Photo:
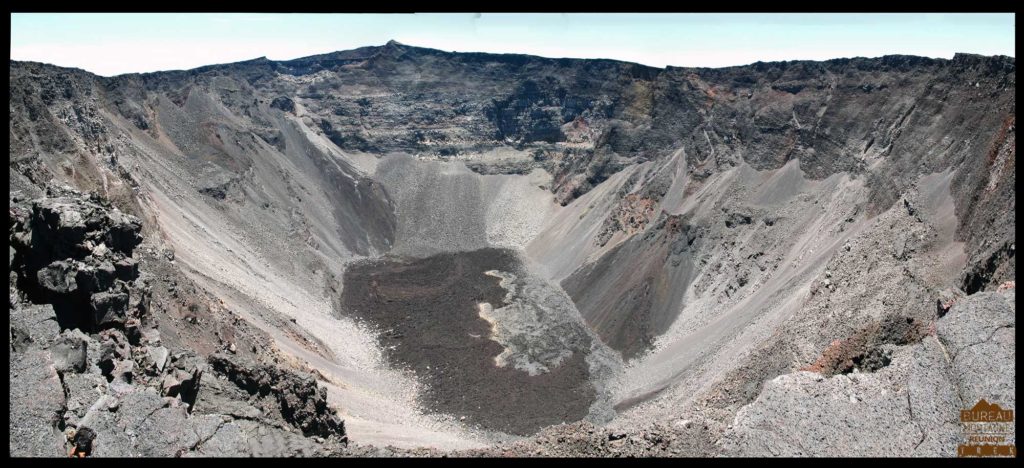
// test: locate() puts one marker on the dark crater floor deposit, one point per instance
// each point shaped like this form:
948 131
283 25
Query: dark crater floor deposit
427 311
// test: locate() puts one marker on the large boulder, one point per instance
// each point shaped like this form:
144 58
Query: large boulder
59 277
109 308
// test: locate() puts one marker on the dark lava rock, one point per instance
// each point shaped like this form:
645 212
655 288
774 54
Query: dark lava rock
109 308
736 219
73 250
301 402
127 269
83 442
182 378
58 278
428 313
82 381
284 104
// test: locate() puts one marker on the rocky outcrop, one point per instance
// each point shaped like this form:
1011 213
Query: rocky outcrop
89 373
296 397
908 405
75 252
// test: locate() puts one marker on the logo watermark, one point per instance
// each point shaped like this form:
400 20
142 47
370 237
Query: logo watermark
988 431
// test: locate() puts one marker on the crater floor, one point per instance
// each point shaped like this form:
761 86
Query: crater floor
428 313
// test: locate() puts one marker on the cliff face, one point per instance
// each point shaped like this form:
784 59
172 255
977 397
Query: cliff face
686 212
888 119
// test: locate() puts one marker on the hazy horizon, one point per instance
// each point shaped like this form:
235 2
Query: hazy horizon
117 43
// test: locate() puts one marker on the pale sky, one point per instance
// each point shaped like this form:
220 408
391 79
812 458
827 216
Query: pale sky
115 43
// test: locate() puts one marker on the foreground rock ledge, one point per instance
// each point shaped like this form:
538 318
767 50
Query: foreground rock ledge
908 408
90 376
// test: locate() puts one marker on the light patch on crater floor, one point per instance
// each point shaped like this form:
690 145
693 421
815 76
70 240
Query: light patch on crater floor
486 312
536 328
540 328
